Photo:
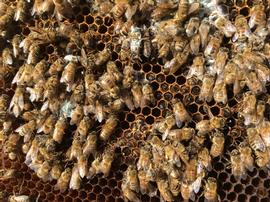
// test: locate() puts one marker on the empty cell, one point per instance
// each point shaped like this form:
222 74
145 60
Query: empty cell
263 174
102 29
156 112
50 197
223 176
97 189
79 18
227 186
242 198
255 182
160 78
164 86
114 56
83 27
106 191
98 20
149 120
100 46
92 196
155 85
108 21
94 181
146 111
170 79
253 199
115 192
181 80
85 10
192 108
136 66
130 117
156 69
83 194
168 96
73 193
231 196
238 188
112 183
49 49
89 19
100 198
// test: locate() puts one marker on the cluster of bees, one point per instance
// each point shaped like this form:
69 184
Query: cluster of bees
64 111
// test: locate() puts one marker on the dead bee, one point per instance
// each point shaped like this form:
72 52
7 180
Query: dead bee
68 75
254 139
75 180
63 181
103 57
108 128
246 156
210 190
180 113
59 130
7 56
90 145
217 144
257 16
237 166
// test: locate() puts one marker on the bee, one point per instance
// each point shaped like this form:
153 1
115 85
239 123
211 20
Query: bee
225 26
63 181
62 9
106 163
204 32
84 126
75 180
33 55
217 146
21 198
253 82
183 9
56 67
204 159
21 11
128 78
183 134
242 29
119 9
59 130
192 26
16 40
181 152
7 56
257 16
263 73
220 92
27 130
135 37
145 186
190 173
237 166
175 185
113 70
76 115
187 191
90 145
6 174
7 18
148 95
217 122
264 130
164 189
102 57
82 166
157 144
213 45
171 155
48 125
180 113
262 158
56 171
147 45
51 87
210 189
254 139
131 176
220 61
108 128
178 60
197 67
39 71
128 193
203 126
76 148
246 156
206 92
195 43
145 159
44 171
249 103
68 75
162 10
99 111
17 102
137 93
37 92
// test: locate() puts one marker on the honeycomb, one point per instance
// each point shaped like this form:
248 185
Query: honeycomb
256 187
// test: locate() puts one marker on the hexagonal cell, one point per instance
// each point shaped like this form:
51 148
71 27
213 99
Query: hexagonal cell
149 120
170 79
136 66
83 27
79 18
156 69
168 96
146 68
150 76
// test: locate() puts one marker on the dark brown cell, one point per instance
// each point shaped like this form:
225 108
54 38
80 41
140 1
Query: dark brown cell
89 19
160 78
156 69
102 29
108 21
136 66
85 10
156 112
98 20
49 49
83 27
79 18
170 79
181 80
150 76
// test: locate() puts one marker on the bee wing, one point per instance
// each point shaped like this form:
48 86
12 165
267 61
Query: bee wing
45 106
165 134
178 121
196 185
33 95
75 179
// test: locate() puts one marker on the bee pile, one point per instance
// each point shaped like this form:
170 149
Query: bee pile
135 100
